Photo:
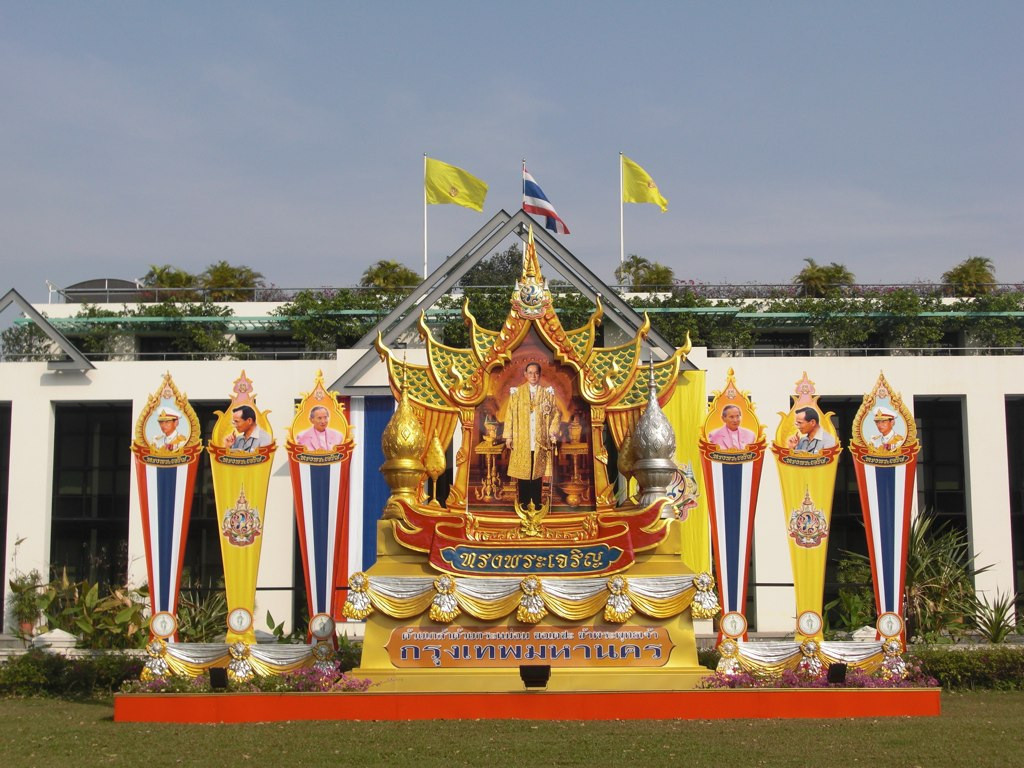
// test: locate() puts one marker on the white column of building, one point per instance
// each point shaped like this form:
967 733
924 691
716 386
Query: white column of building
137 571
988 491
30 489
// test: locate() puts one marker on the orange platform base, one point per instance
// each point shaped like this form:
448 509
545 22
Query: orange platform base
528 705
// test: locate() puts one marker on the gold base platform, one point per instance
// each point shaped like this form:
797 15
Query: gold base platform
454 657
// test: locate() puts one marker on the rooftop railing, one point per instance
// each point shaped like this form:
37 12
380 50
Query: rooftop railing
120 295
712 352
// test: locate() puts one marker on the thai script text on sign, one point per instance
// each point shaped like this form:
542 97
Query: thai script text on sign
460 647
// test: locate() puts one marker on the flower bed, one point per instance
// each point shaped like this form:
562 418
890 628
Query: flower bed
855 678
307 680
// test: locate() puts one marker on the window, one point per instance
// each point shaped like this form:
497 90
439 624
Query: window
941 477
5 476
846 527
91 486
1015 462
273 345
202 565
790 343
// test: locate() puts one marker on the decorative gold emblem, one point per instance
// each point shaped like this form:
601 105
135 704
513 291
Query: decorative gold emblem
241 524
807 525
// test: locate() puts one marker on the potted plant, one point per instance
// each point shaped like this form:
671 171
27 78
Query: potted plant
24 601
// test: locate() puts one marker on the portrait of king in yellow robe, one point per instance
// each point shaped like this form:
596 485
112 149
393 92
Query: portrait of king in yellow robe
531 427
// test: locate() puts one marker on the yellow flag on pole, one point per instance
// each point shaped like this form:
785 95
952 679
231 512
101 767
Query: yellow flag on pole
639 187
447 184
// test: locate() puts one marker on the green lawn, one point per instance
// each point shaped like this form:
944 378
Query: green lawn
976 730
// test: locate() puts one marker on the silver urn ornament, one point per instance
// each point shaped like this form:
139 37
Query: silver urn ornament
654 449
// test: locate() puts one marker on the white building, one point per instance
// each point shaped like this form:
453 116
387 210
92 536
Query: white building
68 493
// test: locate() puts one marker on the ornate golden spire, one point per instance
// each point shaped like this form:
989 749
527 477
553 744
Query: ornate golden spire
531 267
531 297
403 444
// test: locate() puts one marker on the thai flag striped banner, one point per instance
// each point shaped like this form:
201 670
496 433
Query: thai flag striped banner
887 494
321 508
166 494
884 446
167 448
732 502
320 450
537 203
732 447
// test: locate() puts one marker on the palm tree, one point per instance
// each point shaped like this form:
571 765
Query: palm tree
640 273
389 275
819 280
971 277
224 282
175 283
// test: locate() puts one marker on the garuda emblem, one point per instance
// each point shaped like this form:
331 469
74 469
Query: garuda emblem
807 525
241 524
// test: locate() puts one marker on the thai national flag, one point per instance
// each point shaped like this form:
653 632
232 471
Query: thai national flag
535 202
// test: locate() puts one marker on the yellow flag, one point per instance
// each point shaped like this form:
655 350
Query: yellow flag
447 184
639 187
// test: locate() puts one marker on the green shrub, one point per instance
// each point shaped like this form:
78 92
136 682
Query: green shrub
37 673
113 618
202 613
999 667
350 653
708 657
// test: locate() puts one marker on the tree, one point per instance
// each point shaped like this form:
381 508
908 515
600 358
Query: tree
177 282
327 320
498 271
971 277
819 280
223 282
389 275
642 274
25 342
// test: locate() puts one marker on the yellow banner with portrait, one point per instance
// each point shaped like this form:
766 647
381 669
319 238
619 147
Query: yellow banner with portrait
241 452
807 452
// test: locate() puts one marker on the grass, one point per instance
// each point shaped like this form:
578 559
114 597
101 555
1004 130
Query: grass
976 729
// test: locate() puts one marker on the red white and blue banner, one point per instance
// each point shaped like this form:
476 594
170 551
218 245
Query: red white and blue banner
732 446
166 446
319 456
885 447
537 203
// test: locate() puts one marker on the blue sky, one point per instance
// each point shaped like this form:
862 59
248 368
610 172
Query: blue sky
289 136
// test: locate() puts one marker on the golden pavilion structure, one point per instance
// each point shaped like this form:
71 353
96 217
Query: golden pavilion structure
473 589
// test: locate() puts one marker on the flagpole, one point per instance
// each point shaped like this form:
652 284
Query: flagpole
622 237
424 215
522 202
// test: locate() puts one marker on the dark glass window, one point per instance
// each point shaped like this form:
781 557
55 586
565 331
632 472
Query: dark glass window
160 348
941 475
1015 462
91 486
793 343
272 345
203 566
5 476
846 528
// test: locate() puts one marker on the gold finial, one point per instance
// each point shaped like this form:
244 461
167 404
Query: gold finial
434 462
531 267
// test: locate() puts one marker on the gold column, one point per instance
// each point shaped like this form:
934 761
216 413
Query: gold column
460 488
605 492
